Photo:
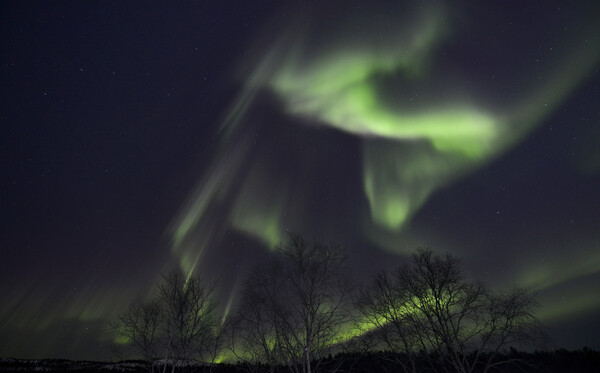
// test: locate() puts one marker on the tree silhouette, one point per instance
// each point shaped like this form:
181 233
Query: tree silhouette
177 323
428 306
188 315
293 308
140 326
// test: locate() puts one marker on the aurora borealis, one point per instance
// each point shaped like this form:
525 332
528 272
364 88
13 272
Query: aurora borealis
139 138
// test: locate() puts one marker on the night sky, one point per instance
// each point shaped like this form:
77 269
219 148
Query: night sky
138 137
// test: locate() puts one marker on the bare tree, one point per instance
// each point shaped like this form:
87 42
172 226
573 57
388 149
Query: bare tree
252 329
140 326
294 307
177 323
510 322
210 352
429 306
386 319
187 315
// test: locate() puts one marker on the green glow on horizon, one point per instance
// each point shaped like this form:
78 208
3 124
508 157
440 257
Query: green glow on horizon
543 275
568 307
388 315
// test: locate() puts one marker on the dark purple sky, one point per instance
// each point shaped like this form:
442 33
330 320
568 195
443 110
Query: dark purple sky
121 121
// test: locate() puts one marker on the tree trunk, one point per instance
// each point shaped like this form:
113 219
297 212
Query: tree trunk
307 357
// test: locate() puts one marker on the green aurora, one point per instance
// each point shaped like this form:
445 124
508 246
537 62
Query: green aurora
408 153
385 127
